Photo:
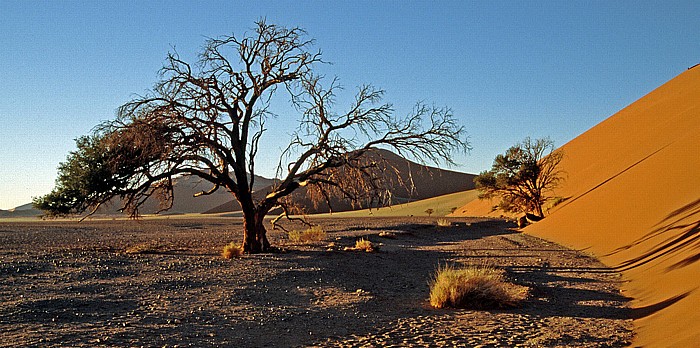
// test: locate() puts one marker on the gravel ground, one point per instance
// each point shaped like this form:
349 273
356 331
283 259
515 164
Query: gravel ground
162 283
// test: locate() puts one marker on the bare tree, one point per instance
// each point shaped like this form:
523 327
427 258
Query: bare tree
523 177
207 120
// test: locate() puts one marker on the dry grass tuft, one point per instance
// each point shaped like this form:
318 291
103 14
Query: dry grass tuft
311 234
364 245
385 234
474 288
444 223
232 250
145 248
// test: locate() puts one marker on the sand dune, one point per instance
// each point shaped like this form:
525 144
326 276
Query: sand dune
633 192
427 182
441 205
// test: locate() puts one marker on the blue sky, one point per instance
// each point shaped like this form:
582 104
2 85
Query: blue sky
507 69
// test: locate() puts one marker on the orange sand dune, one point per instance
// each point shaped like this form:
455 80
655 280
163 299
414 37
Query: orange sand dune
633 190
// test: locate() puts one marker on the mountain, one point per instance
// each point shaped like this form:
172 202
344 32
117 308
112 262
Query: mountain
25 210
633 199
185 188
184 202
427 182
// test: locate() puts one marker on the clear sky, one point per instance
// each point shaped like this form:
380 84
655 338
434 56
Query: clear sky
507 69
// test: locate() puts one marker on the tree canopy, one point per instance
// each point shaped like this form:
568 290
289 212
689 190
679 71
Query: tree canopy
206 119
523 178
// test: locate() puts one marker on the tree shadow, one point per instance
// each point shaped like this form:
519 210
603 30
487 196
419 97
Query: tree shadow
551 299
391 286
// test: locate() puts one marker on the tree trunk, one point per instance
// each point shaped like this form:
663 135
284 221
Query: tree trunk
254 232
538 210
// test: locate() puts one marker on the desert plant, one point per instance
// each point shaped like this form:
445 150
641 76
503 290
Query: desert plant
524 177
474 287
364 245
429 211
232 250
442 222
311 234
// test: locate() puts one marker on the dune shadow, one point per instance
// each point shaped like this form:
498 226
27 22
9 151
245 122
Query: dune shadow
641 312
680 232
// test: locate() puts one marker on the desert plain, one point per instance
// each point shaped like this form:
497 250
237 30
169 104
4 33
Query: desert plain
163 283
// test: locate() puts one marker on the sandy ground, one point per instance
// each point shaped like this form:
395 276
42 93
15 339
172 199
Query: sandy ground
69 284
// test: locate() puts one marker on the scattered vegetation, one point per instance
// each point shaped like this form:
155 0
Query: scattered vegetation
524 177
311 234
363 245
366 245
232 250
474 288
429 211
442 222
145 248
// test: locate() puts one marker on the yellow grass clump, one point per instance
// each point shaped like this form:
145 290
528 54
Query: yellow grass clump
442 222
365 244
311 234
232 250
474 288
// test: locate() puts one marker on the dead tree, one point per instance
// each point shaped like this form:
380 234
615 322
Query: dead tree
207 120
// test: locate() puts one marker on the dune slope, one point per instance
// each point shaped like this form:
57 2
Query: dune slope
440 205
633 192
420 182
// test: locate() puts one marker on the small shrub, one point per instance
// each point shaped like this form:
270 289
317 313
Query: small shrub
475 288
232 250
311 234
444 223
364 245
429 211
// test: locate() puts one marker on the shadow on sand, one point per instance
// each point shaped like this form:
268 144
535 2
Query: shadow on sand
680 233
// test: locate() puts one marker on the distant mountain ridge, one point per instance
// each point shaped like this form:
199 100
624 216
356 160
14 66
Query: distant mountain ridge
184 202
25 210
427 182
